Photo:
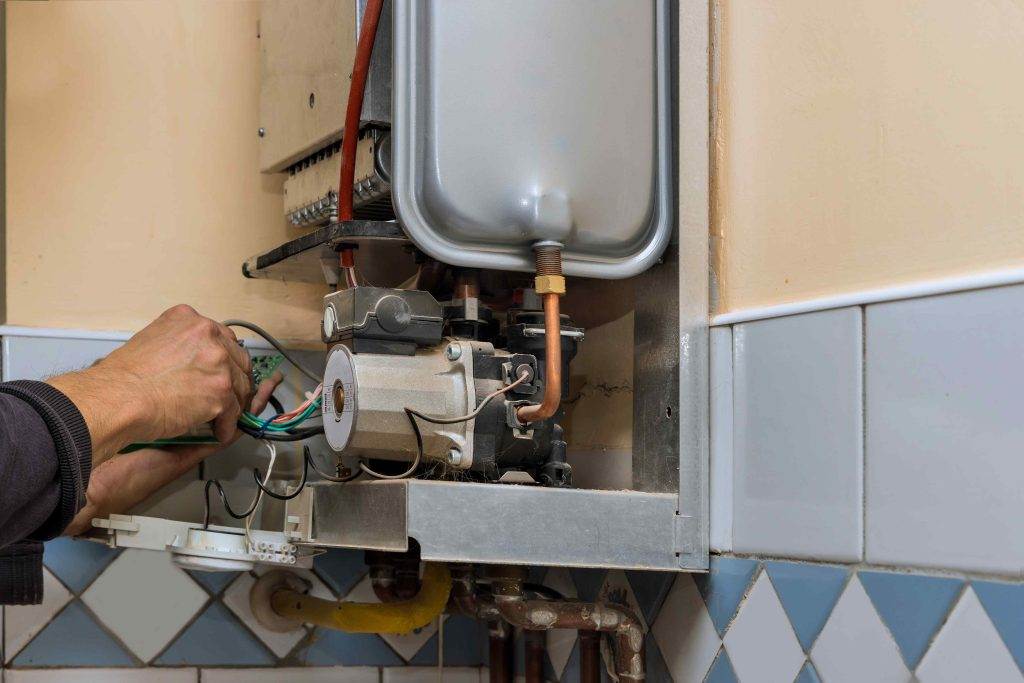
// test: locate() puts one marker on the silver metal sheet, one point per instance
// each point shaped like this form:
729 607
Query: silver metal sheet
534 120
502 524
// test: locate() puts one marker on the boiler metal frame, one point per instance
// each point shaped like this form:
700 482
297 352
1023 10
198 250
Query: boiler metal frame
660 525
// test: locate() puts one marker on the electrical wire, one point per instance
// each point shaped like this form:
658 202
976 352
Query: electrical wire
302 484
290 435
483 404
275 403
416 461
324 475
259 494
276 344
224 498
413 414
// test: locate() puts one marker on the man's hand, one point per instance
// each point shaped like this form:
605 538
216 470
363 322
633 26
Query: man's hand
124 481
182 371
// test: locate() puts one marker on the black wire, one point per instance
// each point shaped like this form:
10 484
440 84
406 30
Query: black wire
410 413
275 404
324 475
224 502
297 434
302 484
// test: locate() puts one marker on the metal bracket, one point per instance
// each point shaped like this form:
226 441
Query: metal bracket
684 532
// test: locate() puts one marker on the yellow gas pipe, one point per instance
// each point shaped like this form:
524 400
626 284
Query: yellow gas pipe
361 617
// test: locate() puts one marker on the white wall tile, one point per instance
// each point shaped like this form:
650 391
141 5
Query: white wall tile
945 426
149 675
318 674
145 600
968 648
797 437
41 357
761 643
721 439
855 646
422 674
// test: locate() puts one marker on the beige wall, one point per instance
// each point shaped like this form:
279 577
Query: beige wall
132 161
862 143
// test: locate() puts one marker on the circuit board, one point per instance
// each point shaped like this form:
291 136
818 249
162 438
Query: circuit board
264 366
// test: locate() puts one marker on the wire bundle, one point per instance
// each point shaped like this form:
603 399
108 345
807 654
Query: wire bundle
285 421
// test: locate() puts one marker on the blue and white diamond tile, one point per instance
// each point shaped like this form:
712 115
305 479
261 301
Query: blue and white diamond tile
144 600
855 646
685 633
808 593
968 648
1004 604
761 643
74 638
22 623
723 587
912 606
216 638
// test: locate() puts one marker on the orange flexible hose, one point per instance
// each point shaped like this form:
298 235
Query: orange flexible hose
356 89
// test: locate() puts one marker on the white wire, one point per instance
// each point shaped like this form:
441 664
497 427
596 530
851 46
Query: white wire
272 449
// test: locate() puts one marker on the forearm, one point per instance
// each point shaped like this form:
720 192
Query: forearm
113 412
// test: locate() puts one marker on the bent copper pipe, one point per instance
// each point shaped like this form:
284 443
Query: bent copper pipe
552 365
502 652
542 615
534 656
590 657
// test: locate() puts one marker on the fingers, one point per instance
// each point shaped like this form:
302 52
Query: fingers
238 354
225 425
263 392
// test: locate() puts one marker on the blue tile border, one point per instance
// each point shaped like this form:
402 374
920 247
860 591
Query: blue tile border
808 592
723 587
913 607
1004 604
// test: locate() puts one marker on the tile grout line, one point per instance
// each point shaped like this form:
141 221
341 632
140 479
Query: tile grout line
966 575
863 433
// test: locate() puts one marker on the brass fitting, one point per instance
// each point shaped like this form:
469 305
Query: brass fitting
550 284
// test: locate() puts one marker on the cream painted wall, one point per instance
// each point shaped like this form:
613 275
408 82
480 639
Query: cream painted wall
863 143
132 159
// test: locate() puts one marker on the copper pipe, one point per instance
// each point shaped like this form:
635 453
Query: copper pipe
534 657
590 657
552 365
382 578
502 651
467 284
541 615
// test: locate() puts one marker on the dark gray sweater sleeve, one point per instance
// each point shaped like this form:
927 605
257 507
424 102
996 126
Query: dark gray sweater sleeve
45 461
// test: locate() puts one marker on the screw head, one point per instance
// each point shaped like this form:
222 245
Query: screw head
261 132
454 457
453 352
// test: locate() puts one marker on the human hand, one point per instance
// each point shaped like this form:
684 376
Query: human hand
124 481
181 371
